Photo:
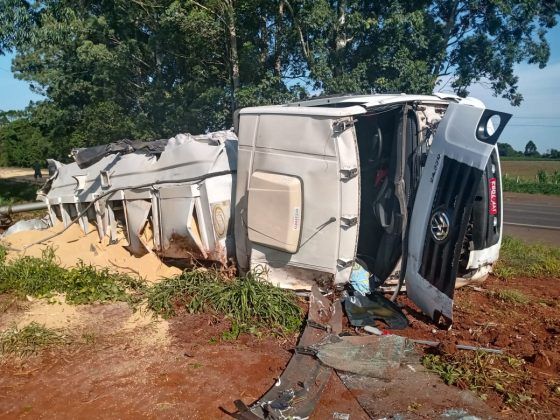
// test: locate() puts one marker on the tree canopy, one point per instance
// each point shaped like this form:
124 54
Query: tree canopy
151 68
531 149
507 150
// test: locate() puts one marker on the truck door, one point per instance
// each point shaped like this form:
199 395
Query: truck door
297 198
457 158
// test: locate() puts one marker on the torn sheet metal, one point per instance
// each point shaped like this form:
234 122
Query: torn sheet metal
27 225
163 183
299 388
377 357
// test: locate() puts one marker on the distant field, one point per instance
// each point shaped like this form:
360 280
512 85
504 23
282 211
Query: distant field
527 169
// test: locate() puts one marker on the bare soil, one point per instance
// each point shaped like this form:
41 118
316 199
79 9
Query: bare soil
128 365
530 331
125 374
23 175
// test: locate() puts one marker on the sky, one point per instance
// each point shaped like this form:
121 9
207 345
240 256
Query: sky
537 119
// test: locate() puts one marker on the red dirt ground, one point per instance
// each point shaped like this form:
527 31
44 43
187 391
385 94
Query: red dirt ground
530 331
198 375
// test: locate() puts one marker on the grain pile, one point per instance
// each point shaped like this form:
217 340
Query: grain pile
73 246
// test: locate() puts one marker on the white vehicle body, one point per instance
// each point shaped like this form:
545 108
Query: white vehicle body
321 143
305 189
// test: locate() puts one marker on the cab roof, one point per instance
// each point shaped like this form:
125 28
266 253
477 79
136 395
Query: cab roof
369 101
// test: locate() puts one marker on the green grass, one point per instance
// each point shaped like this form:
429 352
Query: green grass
29 339
250 302
527 159
530 187
483 373
512 296
83 284
519 259
12 192
531 177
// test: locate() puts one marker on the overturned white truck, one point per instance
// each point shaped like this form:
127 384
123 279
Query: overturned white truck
306 189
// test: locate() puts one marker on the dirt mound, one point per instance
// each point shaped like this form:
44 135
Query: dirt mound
73 245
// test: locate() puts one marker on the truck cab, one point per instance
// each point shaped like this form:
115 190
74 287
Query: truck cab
397 182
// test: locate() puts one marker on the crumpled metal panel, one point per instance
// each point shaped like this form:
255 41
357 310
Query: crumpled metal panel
190 217
137 212
299 388
185 156
377 357
27 225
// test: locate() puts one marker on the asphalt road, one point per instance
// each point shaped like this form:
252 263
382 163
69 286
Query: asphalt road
534 218
532 211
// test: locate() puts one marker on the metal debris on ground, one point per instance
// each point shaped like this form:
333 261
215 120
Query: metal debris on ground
299 388
365 310
26 225
371 356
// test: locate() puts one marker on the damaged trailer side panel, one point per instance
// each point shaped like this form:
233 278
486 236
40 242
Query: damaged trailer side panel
174 200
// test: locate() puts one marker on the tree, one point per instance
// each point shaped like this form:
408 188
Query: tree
506 149
151 68
402 45
531 149
554 154
21 144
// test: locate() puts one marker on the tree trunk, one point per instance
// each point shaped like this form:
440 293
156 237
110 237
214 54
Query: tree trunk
341 39
233 53
303 43
263 41
278 41
450 23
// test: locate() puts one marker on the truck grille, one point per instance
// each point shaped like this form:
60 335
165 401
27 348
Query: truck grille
454 196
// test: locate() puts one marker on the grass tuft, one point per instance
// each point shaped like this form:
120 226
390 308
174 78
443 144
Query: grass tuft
29 339
482 373
512 296
520 259
83 284
250 302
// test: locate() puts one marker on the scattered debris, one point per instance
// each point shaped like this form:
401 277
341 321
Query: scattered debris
298 389
376 357
365 310
459 346
26 225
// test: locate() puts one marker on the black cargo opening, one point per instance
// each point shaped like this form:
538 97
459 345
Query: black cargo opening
388 145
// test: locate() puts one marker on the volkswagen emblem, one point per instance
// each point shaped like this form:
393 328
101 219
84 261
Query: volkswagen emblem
439 225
